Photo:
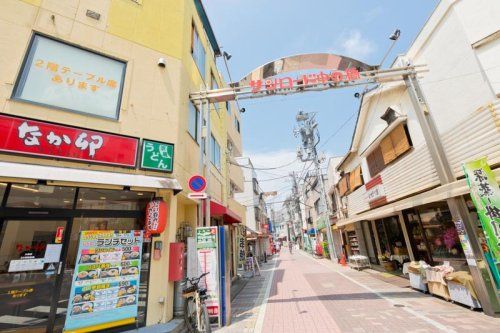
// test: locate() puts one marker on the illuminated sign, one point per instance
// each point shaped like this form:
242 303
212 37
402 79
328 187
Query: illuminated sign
284 83
68 77
26 136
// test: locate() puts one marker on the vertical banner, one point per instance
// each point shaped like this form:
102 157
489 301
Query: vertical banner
485 194
206 246
241 245
105 287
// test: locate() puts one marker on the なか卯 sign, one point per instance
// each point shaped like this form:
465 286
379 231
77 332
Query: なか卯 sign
33 137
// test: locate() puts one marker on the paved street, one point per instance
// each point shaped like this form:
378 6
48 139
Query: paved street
314 295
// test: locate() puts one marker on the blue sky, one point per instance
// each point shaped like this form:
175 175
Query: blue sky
258 31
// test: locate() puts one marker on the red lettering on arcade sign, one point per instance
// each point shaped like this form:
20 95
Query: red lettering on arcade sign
269 85
26 136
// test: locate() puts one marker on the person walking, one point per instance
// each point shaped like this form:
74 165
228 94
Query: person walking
290 246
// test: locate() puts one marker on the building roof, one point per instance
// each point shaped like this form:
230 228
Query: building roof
208 27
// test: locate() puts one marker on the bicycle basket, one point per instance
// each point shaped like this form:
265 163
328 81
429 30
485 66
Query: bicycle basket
189 290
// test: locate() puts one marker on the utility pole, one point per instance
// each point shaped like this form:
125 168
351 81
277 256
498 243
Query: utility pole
296 201
308 130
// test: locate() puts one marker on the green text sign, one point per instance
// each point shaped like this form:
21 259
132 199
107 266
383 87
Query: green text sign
157 156
486 197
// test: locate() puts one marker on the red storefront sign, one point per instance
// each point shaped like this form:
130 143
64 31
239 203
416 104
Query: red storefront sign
284 83
32 137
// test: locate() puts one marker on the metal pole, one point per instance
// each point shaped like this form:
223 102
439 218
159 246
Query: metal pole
199 136
478 266
208 140
331 246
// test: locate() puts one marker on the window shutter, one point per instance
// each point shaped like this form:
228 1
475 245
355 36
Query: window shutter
359 180
355 180
352 180
387 149
343 185
375 162
400 140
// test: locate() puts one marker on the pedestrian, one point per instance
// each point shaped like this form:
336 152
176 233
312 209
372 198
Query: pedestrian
290 246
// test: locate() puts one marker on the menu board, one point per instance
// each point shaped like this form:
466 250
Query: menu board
206 245
105 288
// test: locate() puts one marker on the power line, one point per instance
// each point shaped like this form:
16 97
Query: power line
248 166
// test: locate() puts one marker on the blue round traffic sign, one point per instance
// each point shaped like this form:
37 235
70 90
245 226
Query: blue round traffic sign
197 183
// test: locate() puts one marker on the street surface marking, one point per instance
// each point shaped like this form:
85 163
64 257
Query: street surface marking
262 311
407 309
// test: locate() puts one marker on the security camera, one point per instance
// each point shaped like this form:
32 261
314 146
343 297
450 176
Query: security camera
357 95
162 63
242 110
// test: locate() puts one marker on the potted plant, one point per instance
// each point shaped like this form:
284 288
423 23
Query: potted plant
386 263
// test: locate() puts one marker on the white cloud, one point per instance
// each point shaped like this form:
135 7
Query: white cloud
354 45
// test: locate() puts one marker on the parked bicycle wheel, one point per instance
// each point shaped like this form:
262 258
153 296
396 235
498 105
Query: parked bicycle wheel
190 314
205 320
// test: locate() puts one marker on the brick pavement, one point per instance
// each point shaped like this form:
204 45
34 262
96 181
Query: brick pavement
315 295
245 308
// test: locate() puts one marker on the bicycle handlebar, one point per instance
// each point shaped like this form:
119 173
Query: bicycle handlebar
195 280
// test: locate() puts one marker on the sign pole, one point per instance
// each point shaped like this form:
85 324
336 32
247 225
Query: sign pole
199 136
207 165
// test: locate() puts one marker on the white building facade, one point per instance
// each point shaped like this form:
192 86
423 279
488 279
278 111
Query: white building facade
393 201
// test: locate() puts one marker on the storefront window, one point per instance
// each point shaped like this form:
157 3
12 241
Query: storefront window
41 196
441 234
30 253
90 198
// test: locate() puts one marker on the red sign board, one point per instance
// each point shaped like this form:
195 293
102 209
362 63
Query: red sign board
26 136
59 235
321 78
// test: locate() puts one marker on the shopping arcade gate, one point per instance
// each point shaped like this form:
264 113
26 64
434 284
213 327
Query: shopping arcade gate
335 72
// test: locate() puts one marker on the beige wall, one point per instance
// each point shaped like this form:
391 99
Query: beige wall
154 103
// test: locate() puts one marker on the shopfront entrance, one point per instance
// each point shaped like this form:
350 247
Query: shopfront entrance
39 232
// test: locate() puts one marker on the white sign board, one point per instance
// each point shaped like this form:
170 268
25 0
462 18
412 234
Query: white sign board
26 265
53 253
207 247
68 77
375 193
197 195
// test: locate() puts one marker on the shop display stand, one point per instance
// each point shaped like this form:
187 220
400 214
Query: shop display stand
359 262
353 242
417 282
460 294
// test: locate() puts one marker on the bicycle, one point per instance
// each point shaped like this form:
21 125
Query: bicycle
195 310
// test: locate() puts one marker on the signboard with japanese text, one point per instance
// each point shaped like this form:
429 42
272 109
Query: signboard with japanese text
26 136
485 194
157 156
207 247
105 286
60 75
240 243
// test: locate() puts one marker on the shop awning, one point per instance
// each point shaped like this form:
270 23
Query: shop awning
49 173
440 193
228 216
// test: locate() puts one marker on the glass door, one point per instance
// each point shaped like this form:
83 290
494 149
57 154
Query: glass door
30 262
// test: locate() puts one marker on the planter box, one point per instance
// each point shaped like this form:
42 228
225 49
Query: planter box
439 289
417 282
460 294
